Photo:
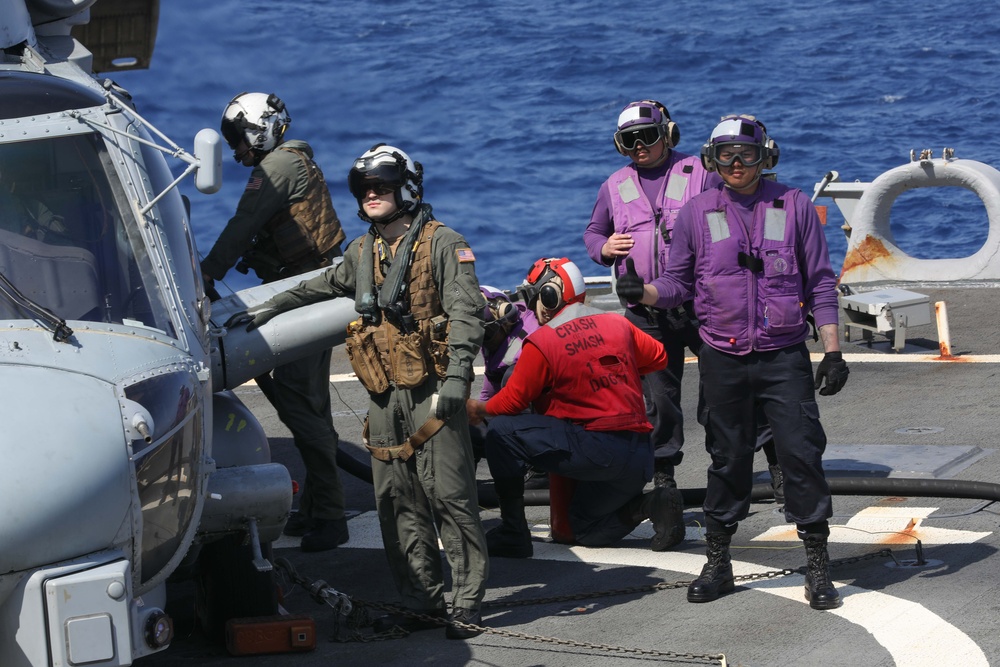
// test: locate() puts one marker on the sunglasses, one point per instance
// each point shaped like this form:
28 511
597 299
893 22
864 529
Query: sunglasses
749 155
647 136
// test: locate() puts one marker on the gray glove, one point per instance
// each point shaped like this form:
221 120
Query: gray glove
253 317
451 397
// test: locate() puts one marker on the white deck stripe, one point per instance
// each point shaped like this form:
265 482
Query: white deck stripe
816 357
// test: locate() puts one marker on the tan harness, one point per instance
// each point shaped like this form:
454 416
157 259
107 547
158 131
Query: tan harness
404 451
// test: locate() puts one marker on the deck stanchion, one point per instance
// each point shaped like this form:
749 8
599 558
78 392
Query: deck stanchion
944 336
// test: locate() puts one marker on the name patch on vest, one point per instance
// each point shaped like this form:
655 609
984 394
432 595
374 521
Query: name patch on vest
718 226
627 190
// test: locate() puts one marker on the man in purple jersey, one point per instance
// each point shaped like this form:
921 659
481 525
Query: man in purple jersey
634 218
752 254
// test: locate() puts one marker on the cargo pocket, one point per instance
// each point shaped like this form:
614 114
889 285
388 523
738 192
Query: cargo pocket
364 358
440 326
408 365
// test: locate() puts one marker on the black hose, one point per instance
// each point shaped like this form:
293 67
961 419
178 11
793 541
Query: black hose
352 466
839 486
345 461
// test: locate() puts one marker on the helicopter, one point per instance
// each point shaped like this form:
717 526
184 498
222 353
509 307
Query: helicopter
116 375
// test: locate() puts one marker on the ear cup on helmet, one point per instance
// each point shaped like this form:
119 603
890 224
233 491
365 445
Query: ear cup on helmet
706 157
772 153
551 296
618 146
672 134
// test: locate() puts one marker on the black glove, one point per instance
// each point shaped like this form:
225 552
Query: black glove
253 317
834 369
451 397
630 286
210 291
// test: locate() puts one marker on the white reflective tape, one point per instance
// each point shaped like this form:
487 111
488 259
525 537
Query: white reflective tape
774 224
628 191
718 226
676 187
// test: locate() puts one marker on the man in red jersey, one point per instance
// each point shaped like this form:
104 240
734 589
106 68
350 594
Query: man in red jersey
581 373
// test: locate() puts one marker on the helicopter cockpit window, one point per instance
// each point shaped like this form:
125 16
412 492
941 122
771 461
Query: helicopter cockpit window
68 238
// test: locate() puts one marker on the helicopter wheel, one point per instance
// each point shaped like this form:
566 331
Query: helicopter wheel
229 586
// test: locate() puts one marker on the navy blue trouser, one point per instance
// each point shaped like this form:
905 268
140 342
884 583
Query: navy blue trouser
611 467
662 389
780 384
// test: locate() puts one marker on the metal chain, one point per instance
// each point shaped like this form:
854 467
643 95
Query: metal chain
356 617
609 648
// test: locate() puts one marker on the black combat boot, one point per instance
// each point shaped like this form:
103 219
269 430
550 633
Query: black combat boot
512 538
663 474
325 534
819 589
717 574
664 507
464 615
777 483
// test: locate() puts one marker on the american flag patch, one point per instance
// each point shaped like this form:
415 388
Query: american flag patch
254 183
465 255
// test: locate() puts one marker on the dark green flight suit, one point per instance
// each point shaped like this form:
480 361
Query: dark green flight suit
437 485
301 393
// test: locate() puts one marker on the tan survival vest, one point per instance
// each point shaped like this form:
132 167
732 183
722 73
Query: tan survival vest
299 237
385 354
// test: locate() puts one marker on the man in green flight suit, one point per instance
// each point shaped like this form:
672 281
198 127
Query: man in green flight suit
284 225
415 286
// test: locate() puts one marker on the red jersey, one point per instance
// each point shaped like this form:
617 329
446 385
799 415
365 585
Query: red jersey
584 366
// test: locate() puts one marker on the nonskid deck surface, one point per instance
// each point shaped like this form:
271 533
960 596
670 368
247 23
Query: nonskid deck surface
901 416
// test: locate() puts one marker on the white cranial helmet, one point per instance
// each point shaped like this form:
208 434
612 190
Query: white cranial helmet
389 169
258 118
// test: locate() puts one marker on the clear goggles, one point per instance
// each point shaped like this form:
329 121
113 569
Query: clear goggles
647 135
749 155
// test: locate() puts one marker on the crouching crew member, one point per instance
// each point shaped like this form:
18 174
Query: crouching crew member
581 372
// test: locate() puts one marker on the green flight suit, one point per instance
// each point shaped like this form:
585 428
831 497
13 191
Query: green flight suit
300 389
437 485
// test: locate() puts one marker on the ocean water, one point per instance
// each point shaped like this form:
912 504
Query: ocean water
511 105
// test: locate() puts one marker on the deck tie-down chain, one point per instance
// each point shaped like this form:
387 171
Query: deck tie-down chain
356 616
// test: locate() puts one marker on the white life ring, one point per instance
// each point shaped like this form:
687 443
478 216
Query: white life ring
872 255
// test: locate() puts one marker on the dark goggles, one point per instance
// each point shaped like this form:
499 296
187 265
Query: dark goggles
646 135
233 130
749 155
383 179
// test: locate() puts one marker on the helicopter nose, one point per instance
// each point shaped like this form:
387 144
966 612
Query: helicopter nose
65 483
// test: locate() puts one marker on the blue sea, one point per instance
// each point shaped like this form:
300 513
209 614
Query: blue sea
510 105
